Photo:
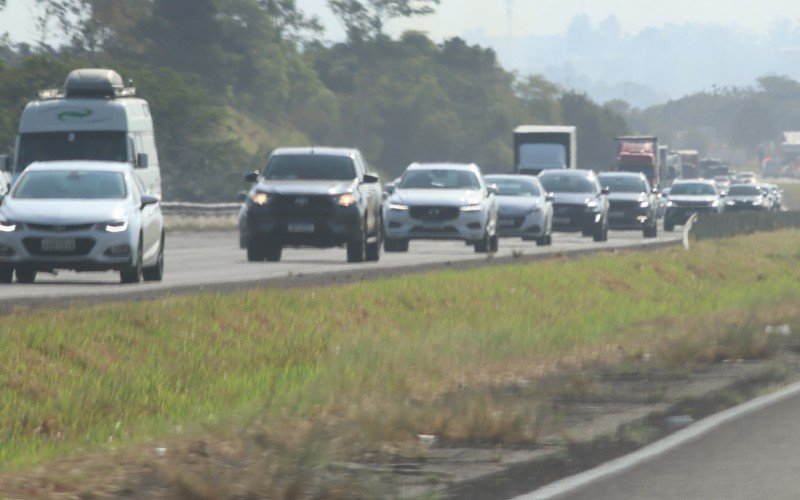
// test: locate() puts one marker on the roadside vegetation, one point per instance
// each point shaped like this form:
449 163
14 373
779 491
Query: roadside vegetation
370 366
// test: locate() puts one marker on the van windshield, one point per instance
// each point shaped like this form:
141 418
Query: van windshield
58 146
74 184
542 156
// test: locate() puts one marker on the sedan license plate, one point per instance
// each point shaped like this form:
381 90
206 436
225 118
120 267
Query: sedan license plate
58 245
301 227
561 220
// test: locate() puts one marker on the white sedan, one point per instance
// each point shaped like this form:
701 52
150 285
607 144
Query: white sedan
82 216
526 211
441 202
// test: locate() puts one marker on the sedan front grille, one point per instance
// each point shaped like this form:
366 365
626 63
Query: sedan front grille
432 213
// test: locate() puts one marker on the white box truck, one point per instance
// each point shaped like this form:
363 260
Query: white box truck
538 148
94 117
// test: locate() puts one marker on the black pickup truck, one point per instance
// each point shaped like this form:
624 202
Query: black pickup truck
313 197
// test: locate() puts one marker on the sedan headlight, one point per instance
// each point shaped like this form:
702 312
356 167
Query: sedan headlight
347 200
471 208
591 204
644 204
259 198
730 203
117 226
715 203
670 204
396 207
7 226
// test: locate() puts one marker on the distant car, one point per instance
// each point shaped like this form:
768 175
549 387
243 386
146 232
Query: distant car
526 210
663 198
633 204
579 204
441 201
313 197
746 197
777 196
723 183
82 216
690 196
746 178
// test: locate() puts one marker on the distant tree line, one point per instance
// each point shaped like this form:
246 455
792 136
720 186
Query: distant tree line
230 80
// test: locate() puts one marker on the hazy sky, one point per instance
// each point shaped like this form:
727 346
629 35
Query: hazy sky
458 17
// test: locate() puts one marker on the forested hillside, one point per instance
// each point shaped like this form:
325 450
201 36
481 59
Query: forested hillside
230 80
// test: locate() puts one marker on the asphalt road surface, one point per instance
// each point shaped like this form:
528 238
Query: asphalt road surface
755 456
209 260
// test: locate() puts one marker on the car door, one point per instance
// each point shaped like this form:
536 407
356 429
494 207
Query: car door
151 221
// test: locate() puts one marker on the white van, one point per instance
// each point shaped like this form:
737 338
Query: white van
95 117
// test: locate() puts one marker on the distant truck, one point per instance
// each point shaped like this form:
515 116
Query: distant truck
640 154
710 168
689 161
538 148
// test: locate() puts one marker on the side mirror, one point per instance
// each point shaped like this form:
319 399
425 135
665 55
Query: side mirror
2 198
656 191
142 160
549 197
493 189
251 177
389 188
241 196
605 191
149 199
370 179
5 163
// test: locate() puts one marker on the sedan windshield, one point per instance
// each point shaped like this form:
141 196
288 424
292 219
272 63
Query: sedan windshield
71 184
310 167
624 184
697 189
559 183
744 191
514 187
439 179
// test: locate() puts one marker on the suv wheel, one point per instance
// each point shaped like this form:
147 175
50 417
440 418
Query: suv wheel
357 248
669 226
156 272
601 233
255 250
273 251
374 248
484 244
6 274
26 275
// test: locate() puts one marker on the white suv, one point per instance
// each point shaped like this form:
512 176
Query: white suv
441 202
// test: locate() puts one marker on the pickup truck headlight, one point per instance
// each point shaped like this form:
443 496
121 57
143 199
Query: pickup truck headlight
347 200
259 198
471 208
117 226
396 207
6 226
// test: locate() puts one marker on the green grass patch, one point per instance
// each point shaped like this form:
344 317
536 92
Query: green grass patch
791 196
371 353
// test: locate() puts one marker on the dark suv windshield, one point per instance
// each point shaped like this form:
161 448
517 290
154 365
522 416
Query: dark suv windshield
559 183
623 184
693 190
439 179
71 184
514 187
56 146
310 167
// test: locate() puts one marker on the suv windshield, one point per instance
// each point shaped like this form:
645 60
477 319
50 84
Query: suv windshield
559 183
693 189
439 179
744 191
514 187
57 146
624 184
71 184
310 167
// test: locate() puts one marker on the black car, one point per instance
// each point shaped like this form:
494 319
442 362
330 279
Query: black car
633 204
579 202
746 197
313 197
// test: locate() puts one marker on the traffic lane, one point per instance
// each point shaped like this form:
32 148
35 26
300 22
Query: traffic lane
754 456
212 258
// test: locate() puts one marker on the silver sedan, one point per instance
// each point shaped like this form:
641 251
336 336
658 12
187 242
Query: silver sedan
82 216
526 211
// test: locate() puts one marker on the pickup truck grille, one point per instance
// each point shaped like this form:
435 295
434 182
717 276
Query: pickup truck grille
303 205
434 213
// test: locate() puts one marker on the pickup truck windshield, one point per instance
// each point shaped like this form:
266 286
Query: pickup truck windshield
310 167
56 146
439 179
74 184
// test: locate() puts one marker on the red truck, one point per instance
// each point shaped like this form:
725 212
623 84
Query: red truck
639 153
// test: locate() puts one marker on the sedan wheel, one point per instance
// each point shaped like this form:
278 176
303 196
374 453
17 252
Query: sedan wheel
156 273
133 273
26 275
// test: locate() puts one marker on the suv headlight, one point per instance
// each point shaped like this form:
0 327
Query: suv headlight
591 204
6 226
259 198
347 200
397 207
471 208
117 226
644 204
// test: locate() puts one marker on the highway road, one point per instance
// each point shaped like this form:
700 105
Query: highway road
213 260
755 456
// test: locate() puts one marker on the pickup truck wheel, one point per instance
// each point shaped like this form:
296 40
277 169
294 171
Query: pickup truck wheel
273 252
357 249
484 244
26 275
255 251
6 274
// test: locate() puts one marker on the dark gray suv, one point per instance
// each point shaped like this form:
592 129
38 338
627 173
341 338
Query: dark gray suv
579 204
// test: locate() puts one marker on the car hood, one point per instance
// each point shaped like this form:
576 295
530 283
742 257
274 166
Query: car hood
612 197
572 198
64 211
510 205
683 198
307 187
453 197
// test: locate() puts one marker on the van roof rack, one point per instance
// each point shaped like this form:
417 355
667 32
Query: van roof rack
91 83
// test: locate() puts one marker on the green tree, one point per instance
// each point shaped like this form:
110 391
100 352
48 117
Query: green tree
367 19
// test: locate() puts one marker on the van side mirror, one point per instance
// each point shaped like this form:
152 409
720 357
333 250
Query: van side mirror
242 196
149 199
493 189
370 179
251 177
142 160
5 163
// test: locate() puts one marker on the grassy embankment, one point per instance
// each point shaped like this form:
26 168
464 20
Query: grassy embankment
386 360
791 196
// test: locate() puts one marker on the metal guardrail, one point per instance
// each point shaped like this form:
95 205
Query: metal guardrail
198 209
728 224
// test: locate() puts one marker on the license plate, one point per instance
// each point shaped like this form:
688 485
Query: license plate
616 213
507 222
432 226
58 245
561 220
301 227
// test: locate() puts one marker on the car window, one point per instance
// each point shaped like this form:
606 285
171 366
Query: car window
744 191
310 167
559 183
693 189
514 187
439 179
71 184
624 184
